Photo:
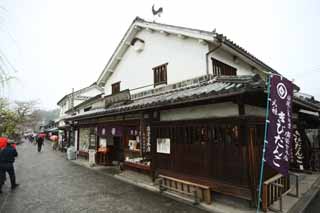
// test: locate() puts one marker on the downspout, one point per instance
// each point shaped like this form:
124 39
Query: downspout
208 53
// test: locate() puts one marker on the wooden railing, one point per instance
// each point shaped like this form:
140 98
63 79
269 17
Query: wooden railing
197 191
275 188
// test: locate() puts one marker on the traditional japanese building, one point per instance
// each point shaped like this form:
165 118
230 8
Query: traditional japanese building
66 105
184 104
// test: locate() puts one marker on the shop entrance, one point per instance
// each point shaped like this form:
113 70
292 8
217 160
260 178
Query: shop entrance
118 152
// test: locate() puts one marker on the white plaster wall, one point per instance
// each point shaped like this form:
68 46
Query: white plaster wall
76 102
200 112
63 108
185 58
227 58
91 92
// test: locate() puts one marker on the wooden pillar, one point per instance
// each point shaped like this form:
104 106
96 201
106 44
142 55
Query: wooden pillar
253 163
154 116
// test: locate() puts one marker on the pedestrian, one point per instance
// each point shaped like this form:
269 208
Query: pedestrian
39 141
54 139
7 157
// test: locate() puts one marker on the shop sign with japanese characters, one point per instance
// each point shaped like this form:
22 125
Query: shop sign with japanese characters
279 137
297 150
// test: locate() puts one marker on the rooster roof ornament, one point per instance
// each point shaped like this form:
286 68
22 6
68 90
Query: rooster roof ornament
157 12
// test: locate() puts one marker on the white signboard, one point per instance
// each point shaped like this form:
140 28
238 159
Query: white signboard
103 142
163 145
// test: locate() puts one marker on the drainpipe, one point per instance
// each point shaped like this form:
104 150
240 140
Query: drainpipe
208 53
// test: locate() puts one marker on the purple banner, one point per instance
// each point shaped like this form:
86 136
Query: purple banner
279 137
105 131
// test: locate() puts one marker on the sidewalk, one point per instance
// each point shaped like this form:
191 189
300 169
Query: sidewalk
309 185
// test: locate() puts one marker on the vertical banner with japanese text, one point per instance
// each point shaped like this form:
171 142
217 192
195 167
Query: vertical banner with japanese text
279 137
297 157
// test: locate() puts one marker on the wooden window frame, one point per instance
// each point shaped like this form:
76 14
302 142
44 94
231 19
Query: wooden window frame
160 74
220 68
115 88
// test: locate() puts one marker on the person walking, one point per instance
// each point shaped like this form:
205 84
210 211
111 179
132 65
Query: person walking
7 158
54 139
40 140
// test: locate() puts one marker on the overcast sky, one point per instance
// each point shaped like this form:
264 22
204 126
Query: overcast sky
57 45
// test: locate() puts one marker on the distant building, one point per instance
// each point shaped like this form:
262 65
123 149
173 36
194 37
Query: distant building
68 102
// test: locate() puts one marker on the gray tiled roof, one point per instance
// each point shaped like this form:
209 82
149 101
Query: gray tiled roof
220 86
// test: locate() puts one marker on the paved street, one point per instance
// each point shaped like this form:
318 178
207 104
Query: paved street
49 183
314 206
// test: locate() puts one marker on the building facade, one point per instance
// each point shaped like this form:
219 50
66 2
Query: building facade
181 103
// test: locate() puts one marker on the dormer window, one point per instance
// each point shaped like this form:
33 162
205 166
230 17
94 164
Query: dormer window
160 74
220 68
115 88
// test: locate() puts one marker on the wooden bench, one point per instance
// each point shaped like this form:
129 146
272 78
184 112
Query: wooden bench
197 191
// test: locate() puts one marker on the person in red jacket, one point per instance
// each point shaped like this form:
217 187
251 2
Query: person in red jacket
4 142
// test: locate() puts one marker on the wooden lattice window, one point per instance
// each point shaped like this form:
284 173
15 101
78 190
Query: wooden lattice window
220 68
115 88
160 74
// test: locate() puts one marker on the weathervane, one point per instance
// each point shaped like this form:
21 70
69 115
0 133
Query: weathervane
156 13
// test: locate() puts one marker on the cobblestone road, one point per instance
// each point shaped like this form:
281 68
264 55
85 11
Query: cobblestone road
49 183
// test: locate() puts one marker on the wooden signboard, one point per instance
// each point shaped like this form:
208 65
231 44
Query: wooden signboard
118 97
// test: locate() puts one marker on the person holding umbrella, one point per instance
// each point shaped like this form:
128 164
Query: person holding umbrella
54 139
40 139
4 142
7 157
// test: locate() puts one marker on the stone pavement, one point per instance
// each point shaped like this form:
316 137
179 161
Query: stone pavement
49 183
308 187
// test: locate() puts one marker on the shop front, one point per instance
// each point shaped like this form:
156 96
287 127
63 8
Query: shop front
123 140
87 140
110 144
123 144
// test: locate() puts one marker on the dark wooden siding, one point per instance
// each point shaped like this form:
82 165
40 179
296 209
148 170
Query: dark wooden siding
205 149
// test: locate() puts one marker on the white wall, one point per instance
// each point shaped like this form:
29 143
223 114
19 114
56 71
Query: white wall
65 106
227 58
185 58
200 112
91 92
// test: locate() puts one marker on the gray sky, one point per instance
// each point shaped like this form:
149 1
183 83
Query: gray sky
57 45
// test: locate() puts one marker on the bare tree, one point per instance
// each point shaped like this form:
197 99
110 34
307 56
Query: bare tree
7 69
27 115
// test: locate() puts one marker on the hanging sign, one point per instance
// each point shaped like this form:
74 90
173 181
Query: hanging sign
297 150
279 137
